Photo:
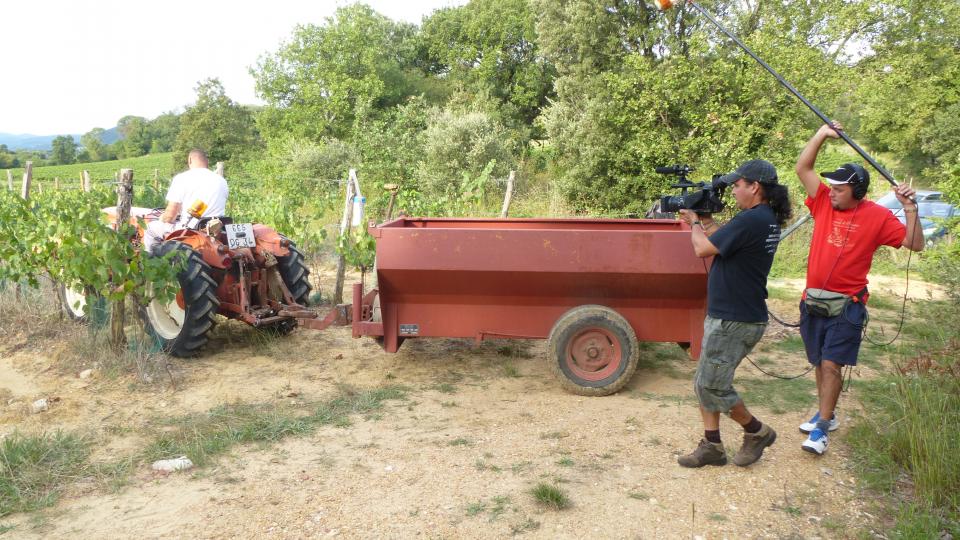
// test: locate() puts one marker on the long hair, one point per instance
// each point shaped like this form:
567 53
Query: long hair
778 197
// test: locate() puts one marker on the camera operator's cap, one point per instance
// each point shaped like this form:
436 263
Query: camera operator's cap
848 173
757 170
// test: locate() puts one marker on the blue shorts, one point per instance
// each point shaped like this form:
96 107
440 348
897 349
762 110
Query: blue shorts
833 338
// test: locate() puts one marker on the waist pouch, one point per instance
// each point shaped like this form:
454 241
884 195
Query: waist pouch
823 303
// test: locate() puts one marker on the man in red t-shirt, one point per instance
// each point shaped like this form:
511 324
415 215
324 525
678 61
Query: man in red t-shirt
848 229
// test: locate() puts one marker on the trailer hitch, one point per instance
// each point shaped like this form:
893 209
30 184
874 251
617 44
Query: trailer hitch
340 315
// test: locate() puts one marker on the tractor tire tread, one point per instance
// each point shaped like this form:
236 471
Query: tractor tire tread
199 294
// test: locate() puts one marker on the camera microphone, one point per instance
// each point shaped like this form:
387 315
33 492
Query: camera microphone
673 169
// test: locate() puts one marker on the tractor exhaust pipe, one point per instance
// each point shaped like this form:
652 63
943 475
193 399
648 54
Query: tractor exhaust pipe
664 5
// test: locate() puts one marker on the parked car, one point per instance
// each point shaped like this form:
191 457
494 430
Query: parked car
931 208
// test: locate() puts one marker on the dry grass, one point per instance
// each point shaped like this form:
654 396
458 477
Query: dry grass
33 320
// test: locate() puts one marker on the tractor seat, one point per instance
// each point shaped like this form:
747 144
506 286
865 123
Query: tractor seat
226 220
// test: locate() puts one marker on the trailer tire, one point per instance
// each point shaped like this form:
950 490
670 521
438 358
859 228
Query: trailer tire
181 327
593 350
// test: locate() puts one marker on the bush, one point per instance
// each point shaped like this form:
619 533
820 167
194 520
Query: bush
459 146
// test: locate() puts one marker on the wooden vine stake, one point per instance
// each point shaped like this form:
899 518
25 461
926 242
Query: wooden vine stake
124 200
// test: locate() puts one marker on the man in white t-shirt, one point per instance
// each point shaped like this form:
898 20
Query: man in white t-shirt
198 187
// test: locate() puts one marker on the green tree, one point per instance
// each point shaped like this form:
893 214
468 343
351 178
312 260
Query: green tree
134 136
64 150
216 124
909 92
7 158
458 144
638 88
92 141
329 77
490 48
163 132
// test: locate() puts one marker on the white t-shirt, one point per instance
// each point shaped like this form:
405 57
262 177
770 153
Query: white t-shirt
201 184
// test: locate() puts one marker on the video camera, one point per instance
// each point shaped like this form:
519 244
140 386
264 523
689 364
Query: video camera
702 198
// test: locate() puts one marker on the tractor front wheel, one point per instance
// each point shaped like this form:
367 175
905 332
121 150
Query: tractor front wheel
181 326
73 300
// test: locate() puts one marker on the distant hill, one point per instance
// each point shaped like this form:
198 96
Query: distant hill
110 136
26 141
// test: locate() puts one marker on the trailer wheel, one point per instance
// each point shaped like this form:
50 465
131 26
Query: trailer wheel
593 350
181 326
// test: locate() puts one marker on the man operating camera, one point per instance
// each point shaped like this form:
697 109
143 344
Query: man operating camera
742 252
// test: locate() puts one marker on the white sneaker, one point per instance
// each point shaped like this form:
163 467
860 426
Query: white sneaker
811 424
816 443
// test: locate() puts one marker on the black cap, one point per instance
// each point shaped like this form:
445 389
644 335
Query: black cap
848 173
757 170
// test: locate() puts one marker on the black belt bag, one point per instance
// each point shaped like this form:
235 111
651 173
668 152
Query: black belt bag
824 303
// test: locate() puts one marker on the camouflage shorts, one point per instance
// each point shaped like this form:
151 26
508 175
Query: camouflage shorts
725 343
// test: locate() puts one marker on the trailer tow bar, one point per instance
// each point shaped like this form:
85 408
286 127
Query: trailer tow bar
338 316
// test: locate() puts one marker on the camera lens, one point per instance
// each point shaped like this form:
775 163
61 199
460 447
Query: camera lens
671 203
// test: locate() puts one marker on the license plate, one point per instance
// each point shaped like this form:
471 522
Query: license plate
240 235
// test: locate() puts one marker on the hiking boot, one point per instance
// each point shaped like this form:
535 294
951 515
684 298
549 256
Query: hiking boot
811 424
753 445
707 453
816 443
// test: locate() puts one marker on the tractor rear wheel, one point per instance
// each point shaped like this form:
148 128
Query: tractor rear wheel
295 275
181 326
593 350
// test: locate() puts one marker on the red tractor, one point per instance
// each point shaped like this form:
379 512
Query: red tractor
243 271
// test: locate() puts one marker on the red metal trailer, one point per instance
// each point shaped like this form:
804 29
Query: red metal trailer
592 287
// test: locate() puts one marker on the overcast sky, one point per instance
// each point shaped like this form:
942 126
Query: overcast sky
72 65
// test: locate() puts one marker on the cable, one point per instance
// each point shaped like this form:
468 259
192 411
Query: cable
781 377
788 325
845 387
903 311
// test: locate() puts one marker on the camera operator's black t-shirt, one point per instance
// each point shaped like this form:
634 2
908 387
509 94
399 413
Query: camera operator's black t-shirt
737 285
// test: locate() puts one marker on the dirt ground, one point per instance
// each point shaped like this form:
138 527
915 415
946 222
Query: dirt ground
457 458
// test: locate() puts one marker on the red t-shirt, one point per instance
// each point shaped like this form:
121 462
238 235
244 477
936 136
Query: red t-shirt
858 231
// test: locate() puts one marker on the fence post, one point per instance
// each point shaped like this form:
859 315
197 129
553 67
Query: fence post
219 168
344 229
392 188
507 196
85 181
156 179
27 178
9 180
56 183
25 194
124 201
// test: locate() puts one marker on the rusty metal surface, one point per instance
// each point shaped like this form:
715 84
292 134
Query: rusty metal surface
593 354
338 316
514 277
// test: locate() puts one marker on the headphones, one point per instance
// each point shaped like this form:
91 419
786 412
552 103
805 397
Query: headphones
862 184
